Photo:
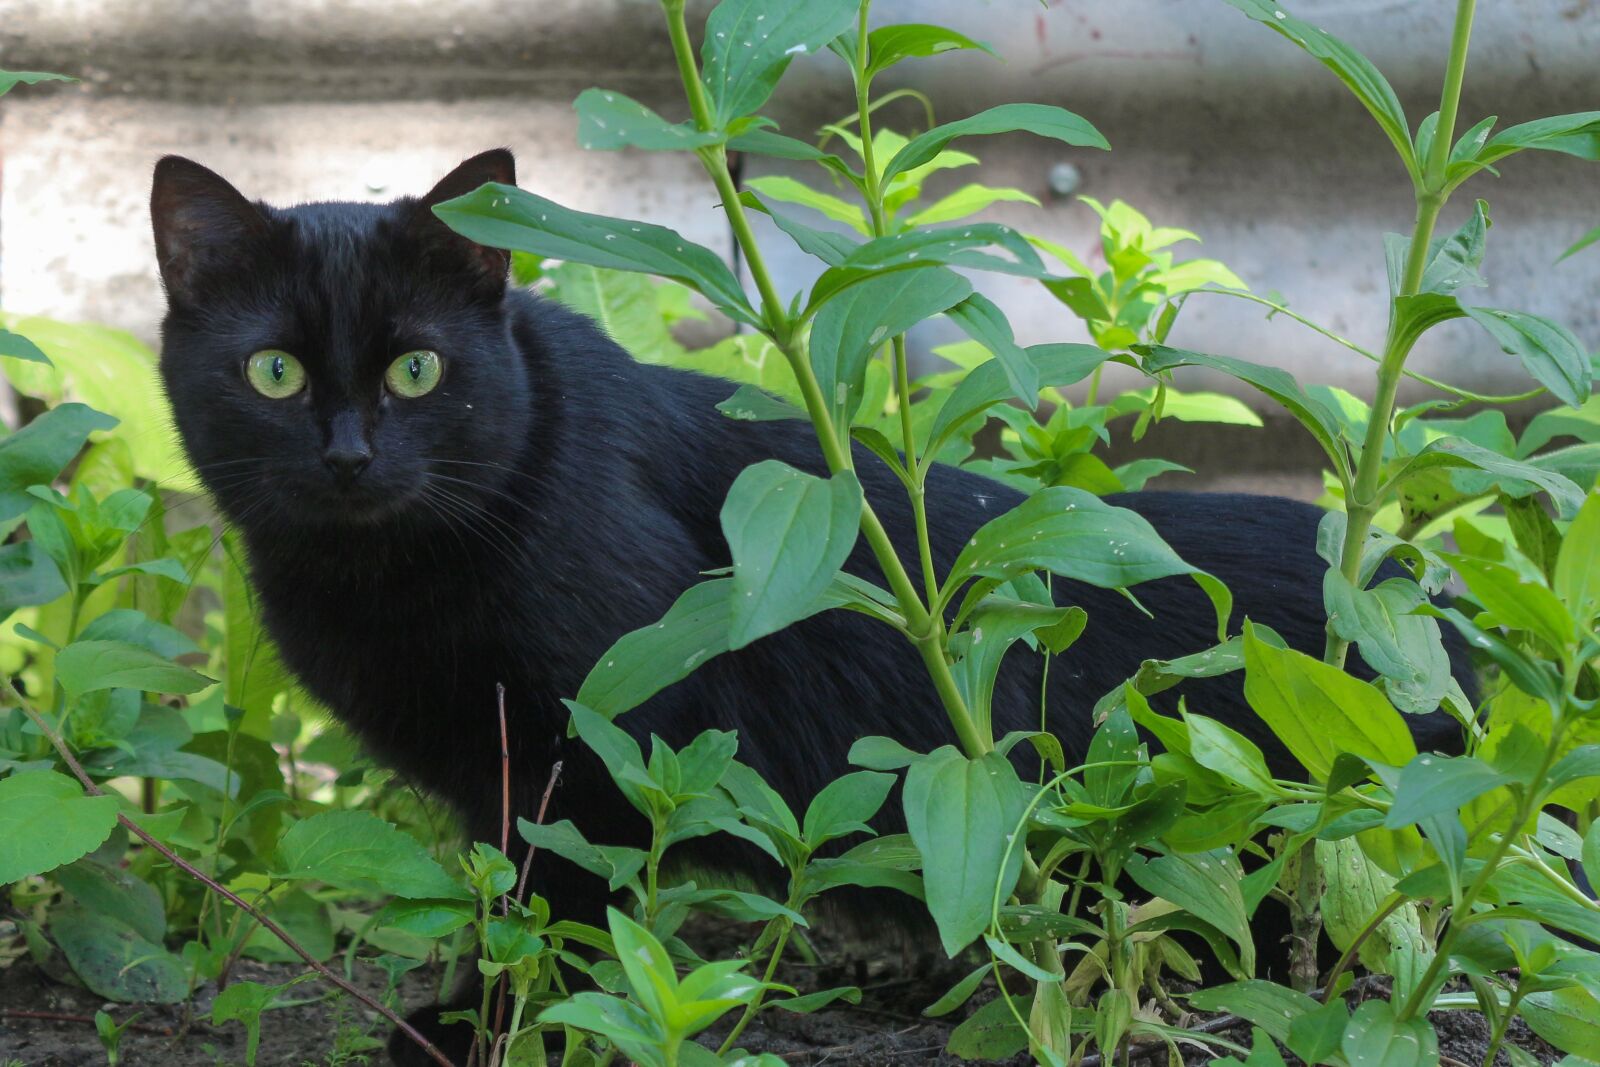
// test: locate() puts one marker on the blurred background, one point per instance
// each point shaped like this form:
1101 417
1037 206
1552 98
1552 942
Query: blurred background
1216 125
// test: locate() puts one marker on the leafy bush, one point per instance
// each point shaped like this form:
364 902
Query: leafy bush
171 804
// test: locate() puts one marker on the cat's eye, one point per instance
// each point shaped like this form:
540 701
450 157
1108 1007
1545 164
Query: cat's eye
414 374
275 374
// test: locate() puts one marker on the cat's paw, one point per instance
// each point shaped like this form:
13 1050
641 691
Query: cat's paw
454 1040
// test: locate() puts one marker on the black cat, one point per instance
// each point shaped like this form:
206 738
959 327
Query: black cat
444 484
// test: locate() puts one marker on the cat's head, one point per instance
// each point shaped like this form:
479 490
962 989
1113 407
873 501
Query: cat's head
337 363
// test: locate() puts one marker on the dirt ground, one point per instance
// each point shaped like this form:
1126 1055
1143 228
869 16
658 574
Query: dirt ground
885 1030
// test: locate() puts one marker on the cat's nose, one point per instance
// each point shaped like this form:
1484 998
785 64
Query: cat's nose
347 461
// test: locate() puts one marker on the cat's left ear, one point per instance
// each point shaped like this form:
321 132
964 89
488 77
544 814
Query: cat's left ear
203 226
489 264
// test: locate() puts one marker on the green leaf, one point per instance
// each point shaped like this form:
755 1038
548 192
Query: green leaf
749 404
1231 754
844 805
749 44
787 190
36 454
27 576
1075 534
46 821
17 346
1351 67
855 322
1206 885
1592 237
1275 383
1435 785
992 1032
1318 711
789 534
1549 351
1515 600
623 304
86 666
1577 134
137 628
881 754
9 79
1376 1037
1266 1004
1567 1018
1591 853
610 120
986 324
503 216
989 383
1404 648
115 961
649 659
118 893
961 814
358 850
888 45
244 1003
1508 475
1039 119
1577 573
967 200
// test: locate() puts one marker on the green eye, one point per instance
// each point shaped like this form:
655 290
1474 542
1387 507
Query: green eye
275 374
414 373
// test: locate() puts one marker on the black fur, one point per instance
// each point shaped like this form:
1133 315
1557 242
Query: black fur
552 494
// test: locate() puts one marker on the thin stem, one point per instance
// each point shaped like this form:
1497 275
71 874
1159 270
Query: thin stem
754 1006
322 969
1450 96
918 619
1502 1024
1395 902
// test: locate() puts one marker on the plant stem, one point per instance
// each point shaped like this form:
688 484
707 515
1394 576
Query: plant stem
754 1006
322 969
922 625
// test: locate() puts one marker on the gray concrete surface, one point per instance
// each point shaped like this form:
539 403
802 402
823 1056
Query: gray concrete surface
1217 125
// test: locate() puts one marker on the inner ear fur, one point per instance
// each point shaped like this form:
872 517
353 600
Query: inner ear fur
490 264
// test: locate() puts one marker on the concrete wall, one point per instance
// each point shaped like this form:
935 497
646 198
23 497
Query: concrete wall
1217 125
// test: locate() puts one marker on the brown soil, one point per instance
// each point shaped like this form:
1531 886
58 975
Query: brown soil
886 1030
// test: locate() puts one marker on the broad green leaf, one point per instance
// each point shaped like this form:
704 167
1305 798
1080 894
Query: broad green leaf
1549 351
35 454
1516 601
883 754
27 576
1567 1018
953 245
608 120
961 814
1584 424
46 821
1351 67
1318 711
1039 119
1354 892
1577 134
10 79
503 216
749 44
1433 785
992 1032
16 346
1376 1037
115 961
621 303
1266 1004
1452 261
852 325
1577 573
1275 383
967 200
749 404
1512 477
1405 649
844 806
789 534
1591 853
986 324
358 850
830 246
1222 749
1206 885
1075 534
1592 237
790 191
86 666
989 383
117 892
888 45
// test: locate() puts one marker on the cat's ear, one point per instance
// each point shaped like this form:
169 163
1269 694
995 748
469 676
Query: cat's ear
490 265
201 223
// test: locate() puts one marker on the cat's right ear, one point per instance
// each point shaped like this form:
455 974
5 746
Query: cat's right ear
201 223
